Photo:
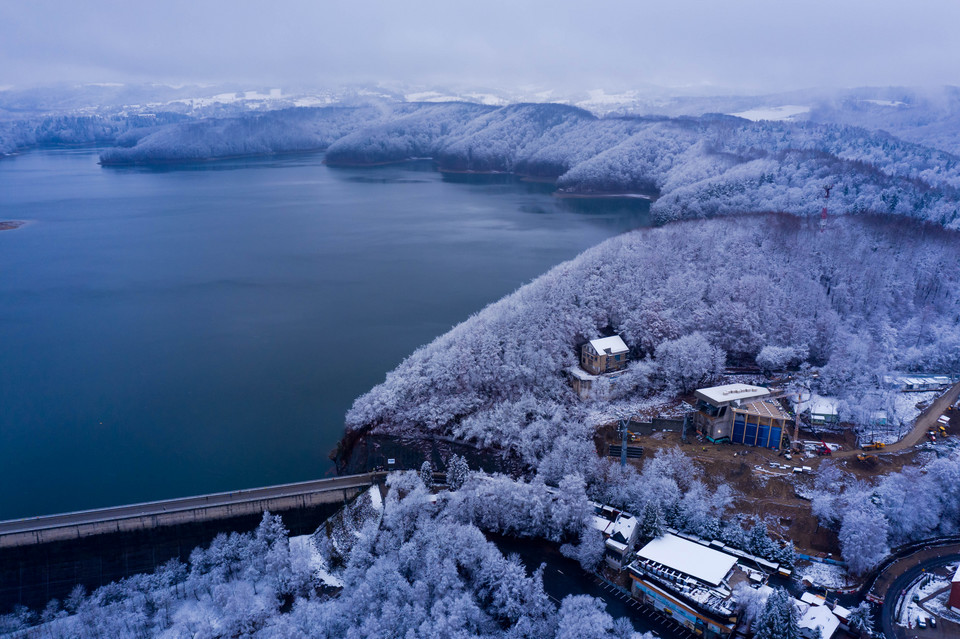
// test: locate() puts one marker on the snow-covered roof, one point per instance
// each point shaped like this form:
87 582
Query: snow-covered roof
916 380
616 545
956 575
703 563
720 394
609 345
819 617
581 374
812 599
820 405
625 525
600 523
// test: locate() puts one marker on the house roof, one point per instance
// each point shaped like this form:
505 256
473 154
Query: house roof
812 599
620 527
819 617
956 575
624 527
717 395
609 345
703 563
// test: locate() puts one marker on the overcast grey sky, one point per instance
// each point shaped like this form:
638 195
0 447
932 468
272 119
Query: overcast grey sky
750 44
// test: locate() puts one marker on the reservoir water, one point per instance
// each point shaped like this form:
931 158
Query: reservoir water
169 332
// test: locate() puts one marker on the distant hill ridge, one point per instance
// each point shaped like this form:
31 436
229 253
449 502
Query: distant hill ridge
694 166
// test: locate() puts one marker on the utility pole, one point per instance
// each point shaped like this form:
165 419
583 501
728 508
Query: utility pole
823 213
624 424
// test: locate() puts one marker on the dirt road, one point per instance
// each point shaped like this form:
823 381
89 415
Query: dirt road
925 421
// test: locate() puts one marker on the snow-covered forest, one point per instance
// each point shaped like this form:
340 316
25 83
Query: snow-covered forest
79 129
281 131
425 569
867 296
901 508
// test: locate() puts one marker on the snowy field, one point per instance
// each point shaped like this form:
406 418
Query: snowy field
824 575
785 112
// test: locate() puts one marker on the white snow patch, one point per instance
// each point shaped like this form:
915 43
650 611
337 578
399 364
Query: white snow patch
824 575
905 405
313 100
304 544
430 96
940 607
921 589
376 499
887 103
785 112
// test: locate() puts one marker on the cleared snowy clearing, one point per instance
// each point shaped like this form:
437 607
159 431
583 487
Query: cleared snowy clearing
777 113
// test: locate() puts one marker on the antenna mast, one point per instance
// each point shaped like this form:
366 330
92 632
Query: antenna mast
823 212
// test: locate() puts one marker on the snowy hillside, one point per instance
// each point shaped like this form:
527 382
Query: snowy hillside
687 297
696 167
273 132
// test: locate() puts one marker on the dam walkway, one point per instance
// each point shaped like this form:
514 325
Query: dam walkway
186 510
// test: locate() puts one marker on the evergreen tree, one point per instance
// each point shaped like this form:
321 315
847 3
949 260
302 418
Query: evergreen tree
426 474
711 528
759 542
861 619
786 554
674 515
653 525
779 618
457 472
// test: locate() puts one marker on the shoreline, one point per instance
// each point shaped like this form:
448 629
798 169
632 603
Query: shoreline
599 195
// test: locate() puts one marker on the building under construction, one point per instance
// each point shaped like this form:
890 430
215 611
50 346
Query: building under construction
740 414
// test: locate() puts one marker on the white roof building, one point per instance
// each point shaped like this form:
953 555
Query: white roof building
818 405
690 558
722 395
811 599
619 526
609 345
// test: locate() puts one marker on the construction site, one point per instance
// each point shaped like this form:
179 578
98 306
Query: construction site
752 440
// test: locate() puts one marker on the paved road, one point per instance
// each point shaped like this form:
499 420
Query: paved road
184 504
900 583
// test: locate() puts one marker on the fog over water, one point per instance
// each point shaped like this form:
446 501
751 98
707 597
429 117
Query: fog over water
752 45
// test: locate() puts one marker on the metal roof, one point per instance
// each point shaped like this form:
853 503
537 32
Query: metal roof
690 558
718 395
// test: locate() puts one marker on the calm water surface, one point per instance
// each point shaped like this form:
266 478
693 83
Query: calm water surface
182 331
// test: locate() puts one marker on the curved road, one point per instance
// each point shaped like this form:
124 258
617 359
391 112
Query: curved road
906 571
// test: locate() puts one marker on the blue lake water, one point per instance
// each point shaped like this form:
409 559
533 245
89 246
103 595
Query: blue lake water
169 332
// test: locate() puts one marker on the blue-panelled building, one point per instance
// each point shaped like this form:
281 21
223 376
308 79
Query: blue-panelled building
741 414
